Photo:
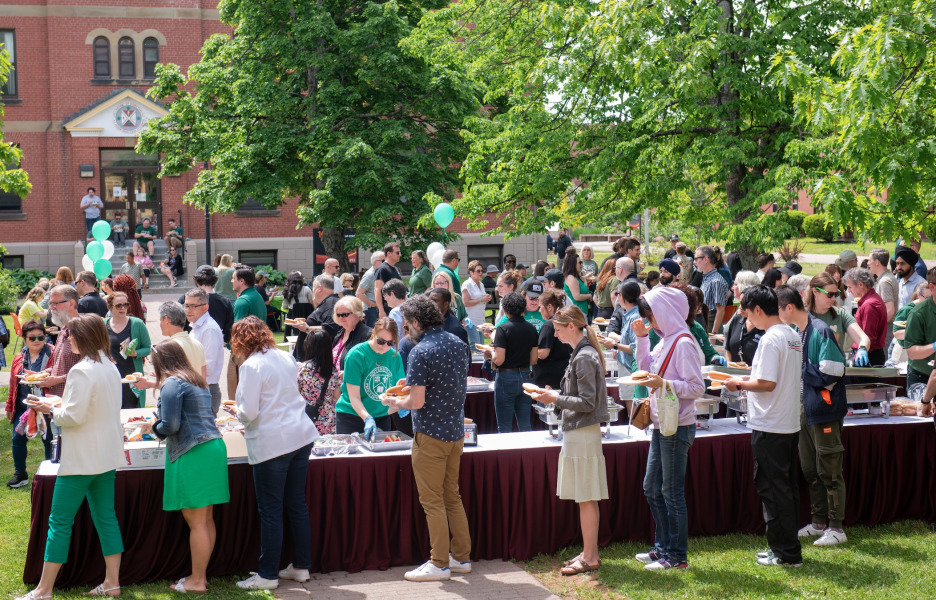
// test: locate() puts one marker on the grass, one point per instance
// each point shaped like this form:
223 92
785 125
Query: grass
889 561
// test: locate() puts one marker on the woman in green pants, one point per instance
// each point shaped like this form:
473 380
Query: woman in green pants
92 438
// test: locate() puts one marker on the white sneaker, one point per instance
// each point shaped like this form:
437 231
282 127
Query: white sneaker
291 572
811 531
831 537
255 582
459 567
428 572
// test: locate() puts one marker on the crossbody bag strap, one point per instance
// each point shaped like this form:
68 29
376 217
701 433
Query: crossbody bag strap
669 354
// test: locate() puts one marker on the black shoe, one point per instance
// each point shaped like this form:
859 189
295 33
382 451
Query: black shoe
19 480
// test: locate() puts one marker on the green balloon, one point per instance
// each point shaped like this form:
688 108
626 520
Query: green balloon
95 250
103 268
444 214
101 231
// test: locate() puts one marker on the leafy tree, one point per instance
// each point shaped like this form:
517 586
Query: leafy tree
872 121
318 100
613 106
12 178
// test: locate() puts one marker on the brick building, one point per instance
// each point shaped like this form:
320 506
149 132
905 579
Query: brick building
75 103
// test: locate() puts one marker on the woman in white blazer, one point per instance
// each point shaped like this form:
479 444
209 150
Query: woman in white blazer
92 448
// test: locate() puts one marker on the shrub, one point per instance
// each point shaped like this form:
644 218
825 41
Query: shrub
9 292
26 280
791 249
796 218
275 277
816 226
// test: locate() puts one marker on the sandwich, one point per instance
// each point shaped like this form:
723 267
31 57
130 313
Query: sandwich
34 377
640 376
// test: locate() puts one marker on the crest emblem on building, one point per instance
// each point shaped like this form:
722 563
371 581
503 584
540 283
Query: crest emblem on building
129 118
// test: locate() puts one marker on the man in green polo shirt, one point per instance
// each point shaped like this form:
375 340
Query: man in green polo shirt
450 260
249 301
920 336
144 236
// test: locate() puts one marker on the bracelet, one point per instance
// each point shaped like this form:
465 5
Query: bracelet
925 401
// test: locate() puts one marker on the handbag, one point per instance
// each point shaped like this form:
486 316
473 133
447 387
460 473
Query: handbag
640 417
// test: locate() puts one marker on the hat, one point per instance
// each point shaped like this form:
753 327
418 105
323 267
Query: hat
674 237
533 288
792 268
668 264
492 269
909 256
554 275
845 257
522 266
259 274
205 270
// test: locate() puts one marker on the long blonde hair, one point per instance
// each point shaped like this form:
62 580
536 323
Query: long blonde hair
574 315
227 261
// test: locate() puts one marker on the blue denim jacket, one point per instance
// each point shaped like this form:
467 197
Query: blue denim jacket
184 418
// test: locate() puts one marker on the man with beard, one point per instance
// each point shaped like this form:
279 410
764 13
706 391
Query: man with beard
669 271
907 277
63 307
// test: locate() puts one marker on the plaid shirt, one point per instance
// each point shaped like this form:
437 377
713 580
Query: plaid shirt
63 359
714 289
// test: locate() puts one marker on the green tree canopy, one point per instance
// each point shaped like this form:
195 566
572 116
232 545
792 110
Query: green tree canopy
318 100
12 178
872 121
613 106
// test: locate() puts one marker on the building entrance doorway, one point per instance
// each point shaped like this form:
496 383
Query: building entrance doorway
129 185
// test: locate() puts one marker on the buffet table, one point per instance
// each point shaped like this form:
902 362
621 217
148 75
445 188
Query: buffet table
365 509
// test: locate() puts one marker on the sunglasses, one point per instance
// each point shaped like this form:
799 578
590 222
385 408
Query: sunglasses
383 342
827 293
122 305
342 315
36 338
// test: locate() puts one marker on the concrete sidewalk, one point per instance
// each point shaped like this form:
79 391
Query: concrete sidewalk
489 579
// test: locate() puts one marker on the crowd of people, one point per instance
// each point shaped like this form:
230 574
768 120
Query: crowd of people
357 339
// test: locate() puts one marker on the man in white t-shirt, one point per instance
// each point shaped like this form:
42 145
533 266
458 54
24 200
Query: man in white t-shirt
774 419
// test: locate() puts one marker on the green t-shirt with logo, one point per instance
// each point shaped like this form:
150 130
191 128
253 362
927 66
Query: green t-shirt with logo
374 373
532 317
150 231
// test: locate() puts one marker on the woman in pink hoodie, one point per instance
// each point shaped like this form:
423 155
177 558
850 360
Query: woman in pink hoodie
677 359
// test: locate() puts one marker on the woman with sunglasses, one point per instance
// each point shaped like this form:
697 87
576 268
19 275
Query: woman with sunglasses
349 313
122 329
575 287
820 299
369 370
475 299
34 357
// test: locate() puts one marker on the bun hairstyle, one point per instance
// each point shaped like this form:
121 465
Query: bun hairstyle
573 314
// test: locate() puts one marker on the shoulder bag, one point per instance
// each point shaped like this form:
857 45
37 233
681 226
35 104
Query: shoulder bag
640 415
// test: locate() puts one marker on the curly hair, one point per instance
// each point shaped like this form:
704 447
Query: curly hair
423 311
126 284
514 305
249 336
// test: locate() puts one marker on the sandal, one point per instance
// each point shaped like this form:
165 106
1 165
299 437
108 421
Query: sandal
180 587
32 595
102 591
572 560
579 566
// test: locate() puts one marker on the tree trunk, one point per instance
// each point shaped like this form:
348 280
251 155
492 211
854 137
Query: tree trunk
334 243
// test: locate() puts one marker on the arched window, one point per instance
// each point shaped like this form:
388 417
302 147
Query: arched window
150 57
126 58
102 67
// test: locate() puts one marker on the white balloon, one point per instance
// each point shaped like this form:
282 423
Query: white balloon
108 249
87 263
436 259
433 248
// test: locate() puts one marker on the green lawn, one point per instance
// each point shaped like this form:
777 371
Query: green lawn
890 561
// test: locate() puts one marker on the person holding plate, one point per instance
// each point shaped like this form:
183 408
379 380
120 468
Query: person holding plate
583 398
122 330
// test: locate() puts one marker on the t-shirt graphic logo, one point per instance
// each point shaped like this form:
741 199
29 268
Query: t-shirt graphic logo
377 381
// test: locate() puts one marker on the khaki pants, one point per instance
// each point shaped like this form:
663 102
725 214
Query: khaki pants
172 242
435 467
821 456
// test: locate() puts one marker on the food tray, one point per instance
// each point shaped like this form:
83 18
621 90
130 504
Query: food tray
707 405
726 369
381 446
880 372
863 393
614 412
335 445
547 414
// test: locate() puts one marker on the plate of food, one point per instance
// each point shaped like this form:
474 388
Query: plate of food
397 392
531 388
739 365
30 377
34 400
717 376
901 324
717 337
635 378
484 347
293 321
132 377
600 321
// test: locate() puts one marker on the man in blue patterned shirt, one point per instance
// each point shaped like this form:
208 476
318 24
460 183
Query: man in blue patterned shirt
437 374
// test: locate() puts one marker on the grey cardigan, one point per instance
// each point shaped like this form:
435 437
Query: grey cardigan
583 394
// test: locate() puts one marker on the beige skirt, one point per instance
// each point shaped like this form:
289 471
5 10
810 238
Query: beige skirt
582 475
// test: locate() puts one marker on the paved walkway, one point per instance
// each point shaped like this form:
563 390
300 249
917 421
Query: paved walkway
489 579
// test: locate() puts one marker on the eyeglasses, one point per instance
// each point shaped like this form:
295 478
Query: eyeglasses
478 271
192 306
697 257
342 315
122 305
827 293
383 342
36 338
57 303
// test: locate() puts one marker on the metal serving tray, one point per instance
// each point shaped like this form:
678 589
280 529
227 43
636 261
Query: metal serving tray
547 414
879 372
381 446
880 394
705 409
321 447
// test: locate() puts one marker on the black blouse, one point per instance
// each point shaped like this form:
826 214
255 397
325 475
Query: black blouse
741 343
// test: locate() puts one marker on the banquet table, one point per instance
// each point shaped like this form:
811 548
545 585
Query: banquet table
365 511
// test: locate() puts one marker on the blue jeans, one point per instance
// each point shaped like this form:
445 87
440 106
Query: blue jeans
370 317
89 223
509 400
280 484
665 488
19 442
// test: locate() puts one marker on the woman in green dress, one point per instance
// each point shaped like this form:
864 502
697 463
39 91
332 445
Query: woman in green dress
575 286
421 279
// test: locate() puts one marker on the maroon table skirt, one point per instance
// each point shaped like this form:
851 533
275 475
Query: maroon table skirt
365 511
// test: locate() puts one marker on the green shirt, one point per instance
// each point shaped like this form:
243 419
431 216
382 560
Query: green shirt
698 332
373 373
533 317
224 285
901 316
250 302
839 321
921 331
420 280
589 267
583 289
603 298
149 231
175 230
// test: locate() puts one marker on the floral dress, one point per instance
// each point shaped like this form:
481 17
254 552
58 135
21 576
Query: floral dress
320 405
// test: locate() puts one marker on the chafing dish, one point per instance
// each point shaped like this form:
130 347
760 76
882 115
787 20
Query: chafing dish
872 394
379 445
738 406
614 413
705 409
553 419
335 445
877 372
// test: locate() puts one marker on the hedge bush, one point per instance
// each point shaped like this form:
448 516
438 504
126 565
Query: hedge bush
816 226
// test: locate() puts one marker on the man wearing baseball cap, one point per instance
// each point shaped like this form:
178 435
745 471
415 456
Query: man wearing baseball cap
671 253
669 271
790 269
